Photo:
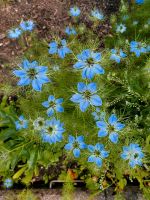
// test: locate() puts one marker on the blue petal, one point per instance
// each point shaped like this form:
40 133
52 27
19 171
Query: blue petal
95 100
113 137
88 73
42 69
84 105
24 81
98 69
92 87
50 112
59 108
86 54
51 98
91 158
119 126
60 100
76 153
98 161
102 133
91 148
68 146
71 139
20 73
79 65
81 87
45 104
82 145
104 154
112 119
101 124
36 85
80 139
76 98
99 147
96 56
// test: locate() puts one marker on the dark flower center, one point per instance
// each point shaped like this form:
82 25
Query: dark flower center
52 104
87 94
97 153
76 145
111 128
32 73
136 155
40 123
90 61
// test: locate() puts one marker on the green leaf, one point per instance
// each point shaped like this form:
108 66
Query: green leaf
19 172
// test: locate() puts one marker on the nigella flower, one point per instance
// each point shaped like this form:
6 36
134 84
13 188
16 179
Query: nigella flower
135 23
27 25
133 153
70 31
137 48
88 61
112 128
8 183
121 28
117 55
32 73
53 105
52 132
97 14
139 2
14 33
98 115
75 11
56 68
39 123
98 154
61 48
22 123
75 144
87 96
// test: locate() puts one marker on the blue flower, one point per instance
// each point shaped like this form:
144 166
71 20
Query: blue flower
98 115
139 2
75 144
32 73
88 61
53 105
22 123
97 14
98 154
61 48
8 183
137 48
121 28
112 128
117 55
75 11
70 31
27 25
52 132
14 33
133 153
39 124
87 96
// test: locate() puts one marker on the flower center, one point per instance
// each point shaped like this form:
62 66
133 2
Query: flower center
90 61
87 94
40 123
52 104
32 73
97 153
135 155
111 128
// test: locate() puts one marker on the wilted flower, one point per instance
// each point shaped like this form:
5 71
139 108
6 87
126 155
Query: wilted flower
121 28
8 183
97 14
137 48
39 124
70 31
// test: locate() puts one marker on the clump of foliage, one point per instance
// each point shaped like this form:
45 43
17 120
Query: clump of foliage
82 107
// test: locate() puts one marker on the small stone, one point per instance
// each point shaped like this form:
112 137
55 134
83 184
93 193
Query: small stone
2 36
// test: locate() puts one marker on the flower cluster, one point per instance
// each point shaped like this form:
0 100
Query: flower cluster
24 26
